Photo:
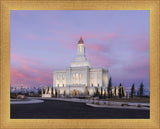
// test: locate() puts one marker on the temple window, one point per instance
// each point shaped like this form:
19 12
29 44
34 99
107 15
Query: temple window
58 77
92 76
76 76
80 76
80 49
98 76
73 76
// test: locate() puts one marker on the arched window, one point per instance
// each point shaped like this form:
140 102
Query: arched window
92 76
57 77
98 76
73 76
80 49
80 76
76 76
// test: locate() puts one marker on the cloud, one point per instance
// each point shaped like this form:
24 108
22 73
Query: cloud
69 44
29 76
30 72
16 58
39 38
98 59
141 68
97 47
137 70
99 36
141 45
108 36
139 42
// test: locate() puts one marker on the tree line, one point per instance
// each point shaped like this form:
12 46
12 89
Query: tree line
120 91
140 91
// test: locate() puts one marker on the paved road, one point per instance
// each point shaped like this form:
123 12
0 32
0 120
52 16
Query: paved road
71 110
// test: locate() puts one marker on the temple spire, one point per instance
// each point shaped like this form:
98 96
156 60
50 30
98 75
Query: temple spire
80 41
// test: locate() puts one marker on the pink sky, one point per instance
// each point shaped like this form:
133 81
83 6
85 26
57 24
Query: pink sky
44 41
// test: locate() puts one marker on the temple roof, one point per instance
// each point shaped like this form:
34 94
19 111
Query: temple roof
80 41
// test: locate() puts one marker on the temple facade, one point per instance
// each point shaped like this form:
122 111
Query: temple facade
80 79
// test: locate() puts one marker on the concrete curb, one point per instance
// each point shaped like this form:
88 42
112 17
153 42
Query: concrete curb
32 101
117 106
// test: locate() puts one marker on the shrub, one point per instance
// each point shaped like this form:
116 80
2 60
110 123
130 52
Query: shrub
97 103
124 105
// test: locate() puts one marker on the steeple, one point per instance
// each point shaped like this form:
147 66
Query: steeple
80 41
81 59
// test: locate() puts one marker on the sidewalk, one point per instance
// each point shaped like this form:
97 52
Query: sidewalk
30 101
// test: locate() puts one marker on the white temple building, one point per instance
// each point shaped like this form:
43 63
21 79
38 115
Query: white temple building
80 79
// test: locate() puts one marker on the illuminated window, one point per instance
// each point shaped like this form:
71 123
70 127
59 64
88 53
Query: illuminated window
63 77
76 76
98 76
80 76
73 76
91 76
80 49
58 77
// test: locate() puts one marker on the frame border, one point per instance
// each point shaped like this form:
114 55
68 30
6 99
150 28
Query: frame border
152 5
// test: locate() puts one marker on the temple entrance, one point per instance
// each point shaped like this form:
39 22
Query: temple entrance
74 92
77 92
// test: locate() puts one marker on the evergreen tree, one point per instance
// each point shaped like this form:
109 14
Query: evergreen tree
115 91
132 90
101 96
52 90
48 90
137 93
55 92
39 91
96 93
141 89
109 88
104 96
120 91
101 91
